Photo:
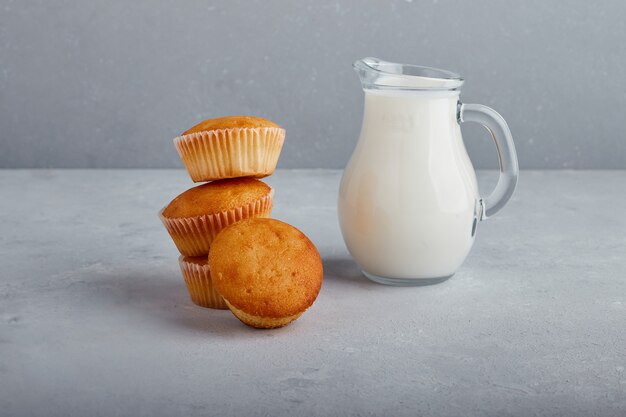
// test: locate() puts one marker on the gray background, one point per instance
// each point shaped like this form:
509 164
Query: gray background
109 84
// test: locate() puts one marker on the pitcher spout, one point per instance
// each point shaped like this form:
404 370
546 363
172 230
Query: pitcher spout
377 74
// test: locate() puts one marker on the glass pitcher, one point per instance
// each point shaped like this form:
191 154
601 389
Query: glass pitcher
408 201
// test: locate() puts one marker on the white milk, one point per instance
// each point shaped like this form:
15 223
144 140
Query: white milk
409 198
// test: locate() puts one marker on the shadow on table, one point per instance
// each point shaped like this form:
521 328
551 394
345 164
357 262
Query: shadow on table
160 296
345 271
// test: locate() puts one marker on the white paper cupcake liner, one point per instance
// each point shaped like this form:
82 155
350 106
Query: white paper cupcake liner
198 280
230 153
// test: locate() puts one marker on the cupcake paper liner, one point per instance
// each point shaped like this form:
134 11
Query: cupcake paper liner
261 322
199 284
230 153
193 235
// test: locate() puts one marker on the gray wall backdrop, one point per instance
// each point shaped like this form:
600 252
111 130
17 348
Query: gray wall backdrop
110 83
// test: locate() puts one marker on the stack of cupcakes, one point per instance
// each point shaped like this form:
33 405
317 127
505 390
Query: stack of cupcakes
228 154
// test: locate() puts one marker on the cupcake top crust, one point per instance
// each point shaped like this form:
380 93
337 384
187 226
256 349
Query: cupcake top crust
217 196
232 122
266 268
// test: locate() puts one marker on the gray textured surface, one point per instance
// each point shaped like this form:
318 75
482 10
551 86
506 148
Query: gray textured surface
95 319
106 83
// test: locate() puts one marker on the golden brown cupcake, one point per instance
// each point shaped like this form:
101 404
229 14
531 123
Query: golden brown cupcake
230 147
267 271
198 279
197 215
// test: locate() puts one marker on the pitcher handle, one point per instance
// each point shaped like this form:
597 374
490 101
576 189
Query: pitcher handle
509 169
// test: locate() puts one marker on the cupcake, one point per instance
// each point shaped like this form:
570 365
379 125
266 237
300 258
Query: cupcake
231 147
267 271
197 215
198 279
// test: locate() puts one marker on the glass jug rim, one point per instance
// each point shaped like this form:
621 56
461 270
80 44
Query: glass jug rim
379 74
